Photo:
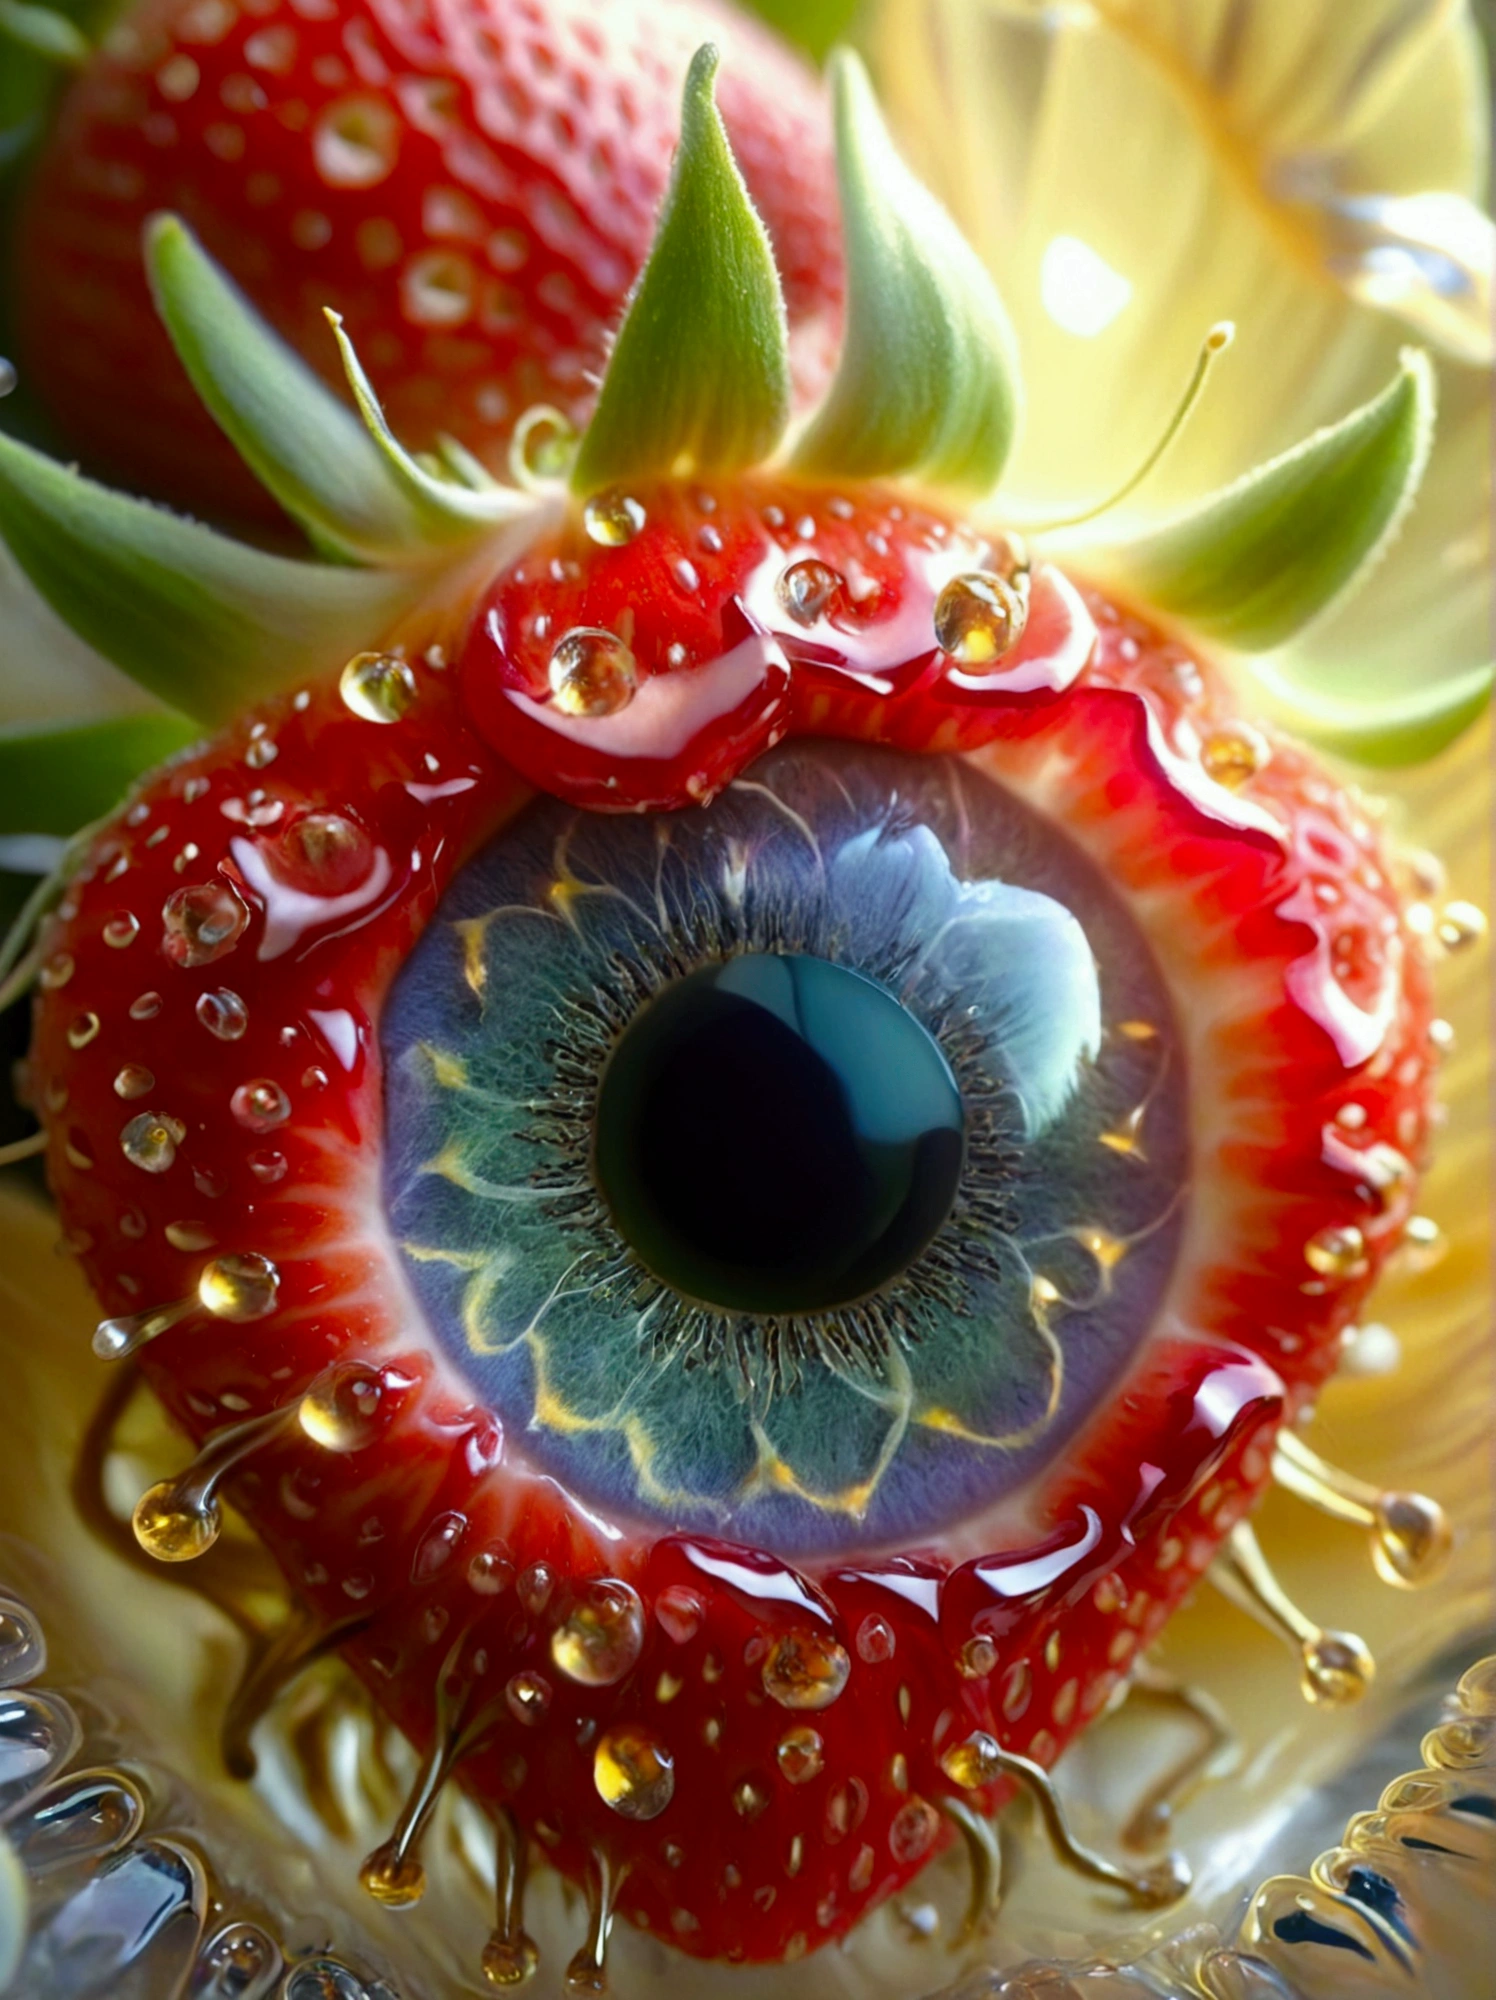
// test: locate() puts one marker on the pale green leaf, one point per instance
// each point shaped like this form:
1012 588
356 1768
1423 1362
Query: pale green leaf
307 448
699 375
55 780
928 380
204 623
1254 564
1386 729
44 32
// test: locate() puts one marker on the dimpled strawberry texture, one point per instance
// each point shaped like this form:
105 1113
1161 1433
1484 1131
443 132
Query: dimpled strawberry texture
471 183
218 970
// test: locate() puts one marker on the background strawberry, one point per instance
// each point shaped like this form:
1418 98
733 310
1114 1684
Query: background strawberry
472 184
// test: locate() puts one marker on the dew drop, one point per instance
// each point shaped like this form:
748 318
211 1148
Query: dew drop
805 1670
973 1763
509 1961
121 930
613 519
380 687
171 1529
592 673
490 1572
223 1014
1337 1668
329 851
437 1547
134 1081
341 1410
1336 1252
150 1141
395 1880
1231 756
239 1287
680 1613
262 751
875 1640
82 1029
801 1754
115 1339
528 1697
268 1166
203 922
633 1772
979 616
535 1587
261 1105
807 589
602 1635
1412 1540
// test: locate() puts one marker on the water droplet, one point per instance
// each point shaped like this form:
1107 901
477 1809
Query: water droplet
328 852
131 1931
528 1697
241 1963
437 1547
613 519
174 1529
1234 754
122 929
134 1080
396 1880
380 687
601 1636
203 922
341 1410
38 1734
592 673
23 1649
1338 1669
146 1008
490 1572
801 1754
973 1763
150 1141
634 1773
807 589
509 1961
805 1669
223 1014
913 1830
57 971
114 1339
324 1979
979 616
875 1640
239 1287
268 1166
1336 1252
680 1613
535 1586
82 1029
260 1105
262 751
1413 1539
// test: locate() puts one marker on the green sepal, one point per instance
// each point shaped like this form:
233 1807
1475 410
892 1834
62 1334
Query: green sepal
44 32
699 375
302 444
55 780
445 510
1254 564
1386 732
928 381
204 623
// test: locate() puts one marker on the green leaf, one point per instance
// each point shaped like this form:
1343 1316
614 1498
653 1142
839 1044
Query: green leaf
301 443
1387 732
928 379
1255 563
699 374
205 624
44 31
817 25
55 780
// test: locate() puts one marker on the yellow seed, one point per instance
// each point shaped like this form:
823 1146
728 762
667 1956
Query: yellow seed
380 687
592 673
805 1669
171 1530
633 1772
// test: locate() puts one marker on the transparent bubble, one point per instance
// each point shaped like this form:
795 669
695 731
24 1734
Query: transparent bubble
592 673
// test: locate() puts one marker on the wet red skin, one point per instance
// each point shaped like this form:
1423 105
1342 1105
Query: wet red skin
1118 1531
533 144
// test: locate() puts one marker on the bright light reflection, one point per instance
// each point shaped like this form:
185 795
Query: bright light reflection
1080 290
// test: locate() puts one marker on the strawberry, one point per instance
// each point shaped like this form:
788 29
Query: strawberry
334 1015
472 187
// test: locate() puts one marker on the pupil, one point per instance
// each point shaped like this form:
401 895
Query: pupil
778 1135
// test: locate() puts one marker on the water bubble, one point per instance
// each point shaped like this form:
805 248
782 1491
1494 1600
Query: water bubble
1337 1668
38 1734
528 1697
535 1586
801 1754
77 1820
509 1961
392 1878
380 687
121 930
173 1527
613 519
134 1080
239 1287
150 1141
592 673
1412 1540
875 1640
268 1166
490 1572
974 1763
241 1963
979 616
807 589
805 1669
260 1105
437 1547
23 1649
115 1339
356 142
680 1613
601 1636
203 922
1336 1252
634 1773
1233 754
223 1014
328 851
82 1030
341 1411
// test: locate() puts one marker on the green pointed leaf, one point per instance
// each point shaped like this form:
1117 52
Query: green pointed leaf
301 443
204 623
55 780
1255 563
44 32
1385 731
699 374
445 511
928 381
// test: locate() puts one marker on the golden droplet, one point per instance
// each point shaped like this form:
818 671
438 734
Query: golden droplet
1461 925
239 1287
172 1530
1336 1252
1338 1669
380 687
149 1141
1412 1539
394 1879
509 1961
602 1635
341 1409
979 616
634 1773
592 673
805 1669
801 1754
1234 754
613 519
973 1763
808 588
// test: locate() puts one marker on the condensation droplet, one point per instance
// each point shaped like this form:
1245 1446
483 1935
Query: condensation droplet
801 1754
806 1670
437 1547
680 1613
592 673
380 687
241 1963
528 1697
395 1880
535 1586
633 1772
150 1141
239 1287
262 751
330 850
23 1649
268 1166
171 1529
1461 925
134 1081
973 1763
601 1636
260 1105
341 1410
1337 1668
121 930
203 922
1336 1252
115 1339
1234 754
613 519
875 1640
979 616
223 1014
490 1572
807 589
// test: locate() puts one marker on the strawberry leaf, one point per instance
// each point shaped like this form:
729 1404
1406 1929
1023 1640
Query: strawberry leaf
1254 564
1384 730
55 780
44 32
203 622
928 381
699 375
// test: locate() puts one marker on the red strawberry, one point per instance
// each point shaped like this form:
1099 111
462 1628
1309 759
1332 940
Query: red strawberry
472 185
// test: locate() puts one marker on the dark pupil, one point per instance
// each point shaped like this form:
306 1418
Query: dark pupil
778 1135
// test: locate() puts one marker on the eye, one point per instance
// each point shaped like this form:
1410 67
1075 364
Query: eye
805 1168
